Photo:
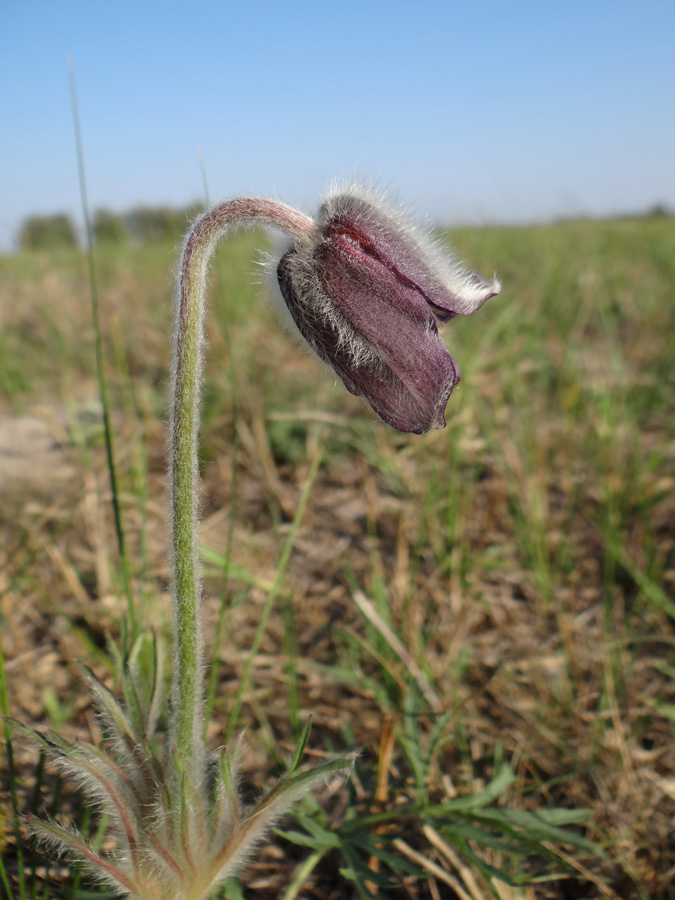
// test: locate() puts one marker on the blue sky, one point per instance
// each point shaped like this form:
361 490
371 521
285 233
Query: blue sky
469 111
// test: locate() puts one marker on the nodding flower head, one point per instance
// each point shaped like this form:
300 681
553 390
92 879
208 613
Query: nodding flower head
367 291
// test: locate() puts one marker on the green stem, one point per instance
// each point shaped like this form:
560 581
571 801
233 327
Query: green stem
187 694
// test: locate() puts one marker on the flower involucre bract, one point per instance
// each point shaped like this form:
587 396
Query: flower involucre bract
367 291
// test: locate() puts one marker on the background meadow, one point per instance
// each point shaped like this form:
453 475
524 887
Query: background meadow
486 612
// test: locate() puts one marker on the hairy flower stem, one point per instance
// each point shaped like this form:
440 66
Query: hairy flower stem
187 692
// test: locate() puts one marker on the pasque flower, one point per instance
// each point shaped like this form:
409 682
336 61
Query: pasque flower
368 290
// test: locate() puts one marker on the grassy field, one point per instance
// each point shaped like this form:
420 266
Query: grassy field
486 612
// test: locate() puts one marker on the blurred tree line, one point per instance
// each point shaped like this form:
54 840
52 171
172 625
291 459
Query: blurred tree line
141 225
40 232
149 224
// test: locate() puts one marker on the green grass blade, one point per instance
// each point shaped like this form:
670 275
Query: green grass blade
272 596
100 368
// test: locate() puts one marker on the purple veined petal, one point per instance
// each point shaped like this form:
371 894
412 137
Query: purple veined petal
368 291
377 333
448 288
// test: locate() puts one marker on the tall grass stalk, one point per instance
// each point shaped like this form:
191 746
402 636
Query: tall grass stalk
100 367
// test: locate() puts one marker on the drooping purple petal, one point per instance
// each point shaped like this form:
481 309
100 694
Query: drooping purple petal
449 288
381 340
367 292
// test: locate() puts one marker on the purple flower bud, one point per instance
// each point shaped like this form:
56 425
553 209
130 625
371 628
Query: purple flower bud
367 291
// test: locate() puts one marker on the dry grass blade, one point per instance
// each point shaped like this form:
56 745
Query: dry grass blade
463 870
436 871
369 611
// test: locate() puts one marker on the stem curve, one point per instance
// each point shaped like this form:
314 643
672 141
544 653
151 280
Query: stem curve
187 691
